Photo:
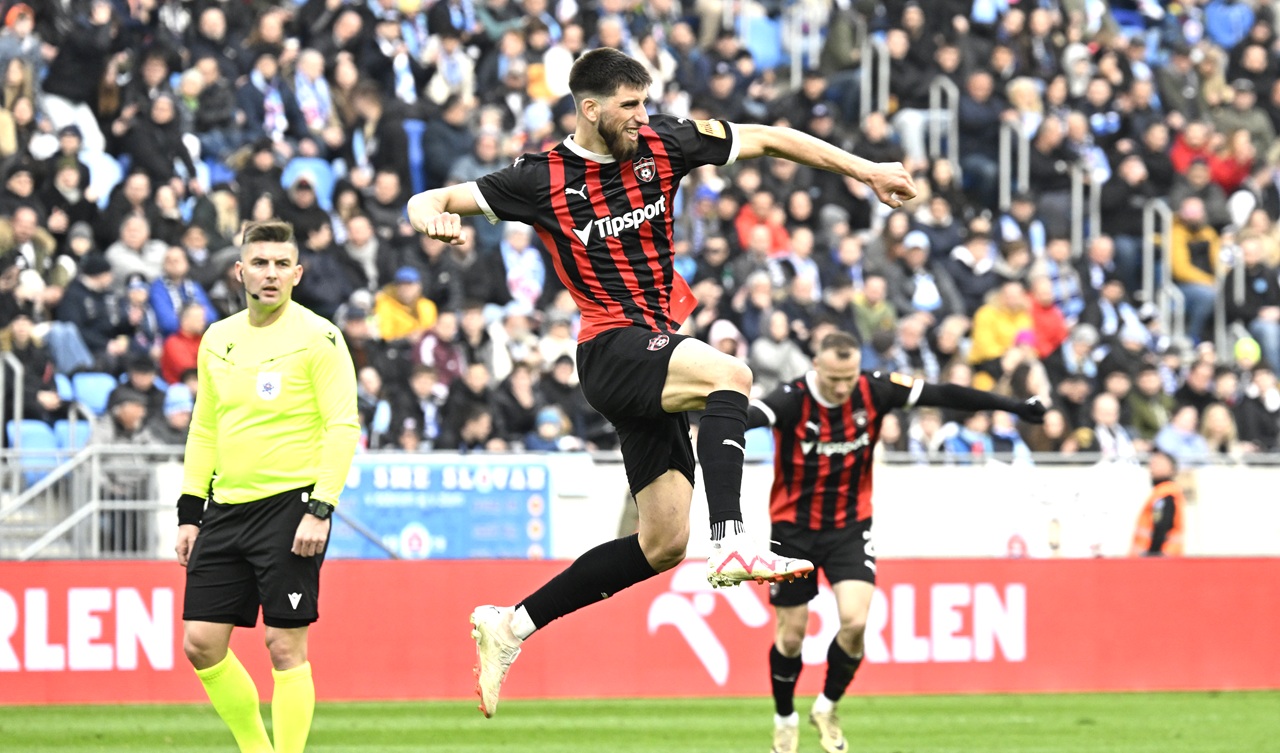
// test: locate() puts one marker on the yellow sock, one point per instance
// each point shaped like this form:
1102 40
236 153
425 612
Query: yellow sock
235 698
292 705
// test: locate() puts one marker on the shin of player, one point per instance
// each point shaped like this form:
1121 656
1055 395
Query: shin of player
275 379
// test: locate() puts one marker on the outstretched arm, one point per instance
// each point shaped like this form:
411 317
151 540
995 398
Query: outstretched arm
890 180
439 212
965 398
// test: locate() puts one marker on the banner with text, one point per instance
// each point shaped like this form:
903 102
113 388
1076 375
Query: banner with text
111 632
445 507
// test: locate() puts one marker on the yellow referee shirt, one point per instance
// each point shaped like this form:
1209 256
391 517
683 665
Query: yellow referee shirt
276 409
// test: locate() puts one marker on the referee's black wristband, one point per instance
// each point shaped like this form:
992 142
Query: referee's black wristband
190 510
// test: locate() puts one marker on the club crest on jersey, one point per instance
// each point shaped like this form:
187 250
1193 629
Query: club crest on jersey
645 169
269 385
860 419
659 342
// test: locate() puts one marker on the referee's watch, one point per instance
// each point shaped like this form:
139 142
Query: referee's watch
321 510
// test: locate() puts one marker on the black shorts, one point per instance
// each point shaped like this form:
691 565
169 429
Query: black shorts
622 372
242 560
840 553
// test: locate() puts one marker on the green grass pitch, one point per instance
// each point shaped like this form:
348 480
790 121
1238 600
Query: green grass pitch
1112 723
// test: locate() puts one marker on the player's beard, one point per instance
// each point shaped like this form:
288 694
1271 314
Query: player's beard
621 147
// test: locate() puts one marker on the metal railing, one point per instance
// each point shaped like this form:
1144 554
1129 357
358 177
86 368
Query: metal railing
1077 208
1224 334
806 25
104 503
1011 134
943 88
16 399
1163 292
874 73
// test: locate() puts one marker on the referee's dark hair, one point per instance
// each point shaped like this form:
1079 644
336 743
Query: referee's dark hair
268 231
601 71
843 343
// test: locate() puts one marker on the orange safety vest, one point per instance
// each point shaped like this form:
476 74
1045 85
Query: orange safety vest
1153 512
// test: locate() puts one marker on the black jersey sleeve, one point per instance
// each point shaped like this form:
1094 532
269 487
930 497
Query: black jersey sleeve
693 143
903 391
781 407
892 390
512 192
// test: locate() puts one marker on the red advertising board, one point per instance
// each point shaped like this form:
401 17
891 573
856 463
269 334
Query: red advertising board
111 632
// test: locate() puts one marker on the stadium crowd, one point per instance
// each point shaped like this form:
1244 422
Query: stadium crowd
135 138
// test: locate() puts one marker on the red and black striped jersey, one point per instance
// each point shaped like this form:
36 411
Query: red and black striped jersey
822 458
607 225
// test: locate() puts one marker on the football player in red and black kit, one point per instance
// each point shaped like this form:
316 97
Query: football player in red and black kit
603 202
825 427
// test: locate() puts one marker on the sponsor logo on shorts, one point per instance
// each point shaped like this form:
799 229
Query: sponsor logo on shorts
294 599
659 342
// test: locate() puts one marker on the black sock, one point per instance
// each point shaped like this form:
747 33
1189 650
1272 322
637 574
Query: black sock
596 575
785 671
840 670
721 450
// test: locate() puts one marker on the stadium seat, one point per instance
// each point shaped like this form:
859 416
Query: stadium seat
93 388
413 131
762 36
759 444
38 447
65 390
320 170
219 172
62 432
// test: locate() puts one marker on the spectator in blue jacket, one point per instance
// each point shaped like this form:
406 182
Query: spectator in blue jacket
173 289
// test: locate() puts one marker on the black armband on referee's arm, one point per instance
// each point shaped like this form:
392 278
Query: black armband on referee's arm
190 510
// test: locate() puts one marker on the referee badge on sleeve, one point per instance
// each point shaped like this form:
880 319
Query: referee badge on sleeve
269 384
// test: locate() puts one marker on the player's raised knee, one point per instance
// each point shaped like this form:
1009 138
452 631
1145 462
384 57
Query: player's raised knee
666 549
732 374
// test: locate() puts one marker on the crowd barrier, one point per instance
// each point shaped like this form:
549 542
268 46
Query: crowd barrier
97 632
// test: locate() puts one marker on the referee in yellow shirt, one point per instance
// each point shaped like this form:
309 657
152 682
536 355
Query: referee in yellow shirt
271 442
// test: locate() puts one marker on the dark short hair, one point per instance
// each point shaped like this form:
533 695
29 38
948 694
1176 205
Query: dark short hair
268 231
843 343
600 72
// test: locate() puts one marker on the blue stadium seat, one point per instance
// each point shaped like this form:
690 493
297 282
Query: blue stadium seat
413 131
65 390
62 432
219 172
320 170
38 447
762 36
93 388
759 444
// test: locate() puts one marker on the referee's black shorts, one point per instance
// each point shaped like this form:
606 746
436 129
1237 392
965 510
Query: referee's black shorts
242 560
622 372
840 553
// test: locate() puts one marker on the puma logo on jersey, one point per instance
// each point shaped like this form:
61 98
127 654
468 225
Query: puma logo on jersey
611 226
581 192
